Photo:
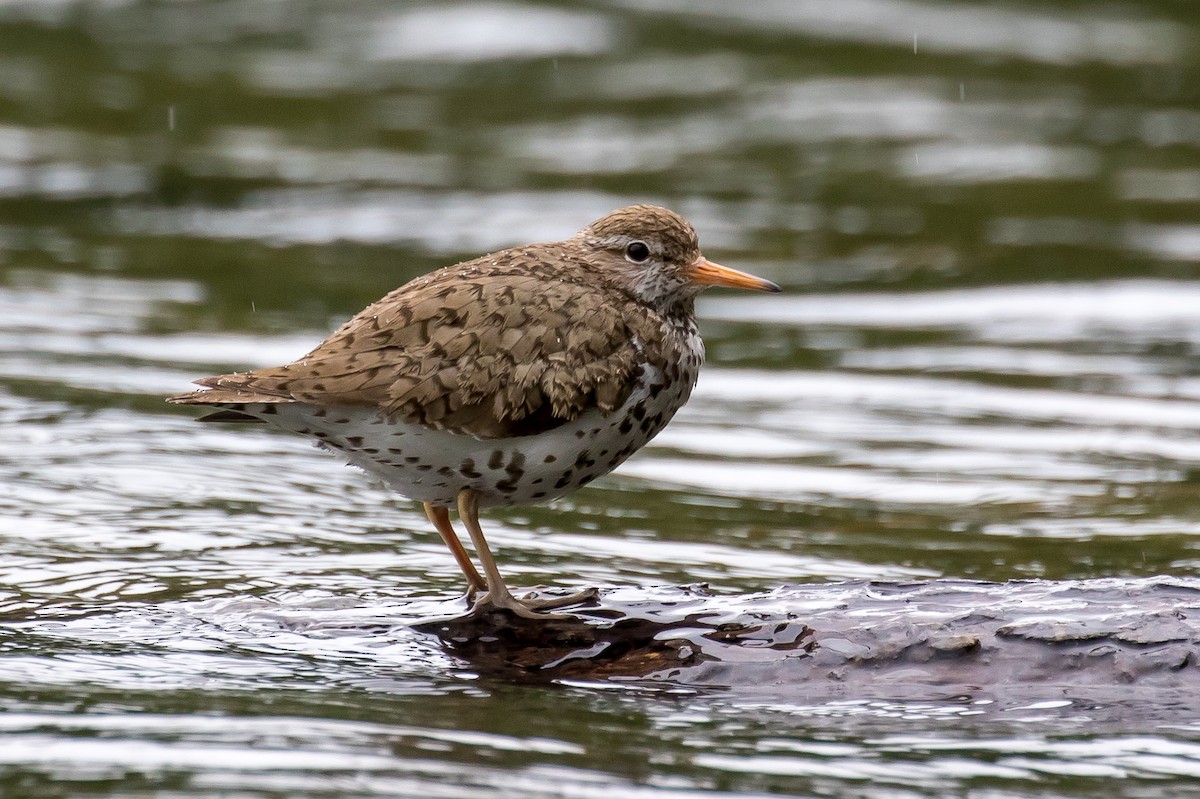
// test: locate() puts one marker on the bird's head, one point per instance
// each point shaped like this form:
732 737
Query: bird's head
653 254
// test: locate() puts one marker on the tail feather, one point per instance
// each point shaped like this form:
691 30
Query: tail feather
230 404
225 396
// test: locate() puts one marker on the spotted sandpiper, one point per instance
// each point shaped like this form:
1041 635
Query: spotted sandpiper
513 378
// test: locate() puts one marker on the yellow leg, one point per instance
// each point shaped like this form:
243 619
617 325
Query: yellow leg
441 520
498 594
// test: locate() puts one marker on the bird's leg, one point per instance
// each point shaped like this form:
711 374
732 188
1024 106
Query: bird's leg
498 594
441 520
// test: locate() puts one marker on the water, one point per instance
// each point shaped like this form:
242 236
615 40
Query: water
985 366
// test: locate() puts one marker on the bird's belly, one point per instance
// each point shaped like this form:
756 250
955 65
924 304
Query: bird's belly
432 466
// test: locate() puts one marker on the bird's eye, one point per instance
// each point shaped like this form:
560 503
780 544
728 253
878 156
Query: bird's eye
637 251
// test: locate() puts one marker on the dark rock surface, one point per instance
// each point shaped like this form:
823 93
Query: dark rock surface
841 640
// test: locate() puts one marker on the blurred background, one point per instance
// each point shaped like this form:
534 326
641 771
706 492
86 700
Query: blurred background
984 215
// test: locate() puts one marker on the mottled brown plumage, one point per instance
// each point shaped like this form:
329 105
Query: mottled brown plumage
508 344
582 349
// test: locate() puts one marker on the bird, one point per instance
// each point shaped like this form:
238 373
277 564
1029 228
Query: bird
517 377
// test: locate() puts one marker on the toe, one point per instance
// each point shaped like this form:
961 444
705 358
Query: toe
524 608
578 598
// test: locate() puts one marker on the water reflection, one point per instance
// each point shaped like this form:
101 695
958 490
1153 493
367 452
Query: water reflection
1054 37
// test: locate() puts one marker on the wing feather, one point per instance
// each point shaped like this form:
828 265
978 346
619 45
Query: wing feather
500 346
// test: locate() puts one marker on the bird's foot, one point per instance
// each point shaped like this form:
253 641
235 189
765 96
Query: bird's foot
530 608
578 598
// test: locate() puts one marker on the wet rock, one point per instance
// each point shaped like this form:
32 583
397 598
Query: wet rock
841 639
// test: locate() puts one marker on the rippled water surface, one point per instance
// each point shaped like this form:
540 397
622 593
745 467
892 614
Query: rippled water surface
986 365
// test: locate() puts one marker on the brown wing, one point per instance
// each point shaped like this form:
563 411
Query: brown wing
491 348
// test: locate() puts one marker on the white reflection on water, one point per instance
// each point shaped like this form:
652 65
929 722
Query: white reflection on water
951 27
34 304
266 153
1159 185
859 769
791 482
1122 756
978 163
944 139
1172 242
914 425
486 31
857 436
1130 310
439 221
956 399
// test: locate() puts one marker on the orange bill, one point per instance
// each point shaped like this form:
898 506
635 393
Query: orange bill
705 273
